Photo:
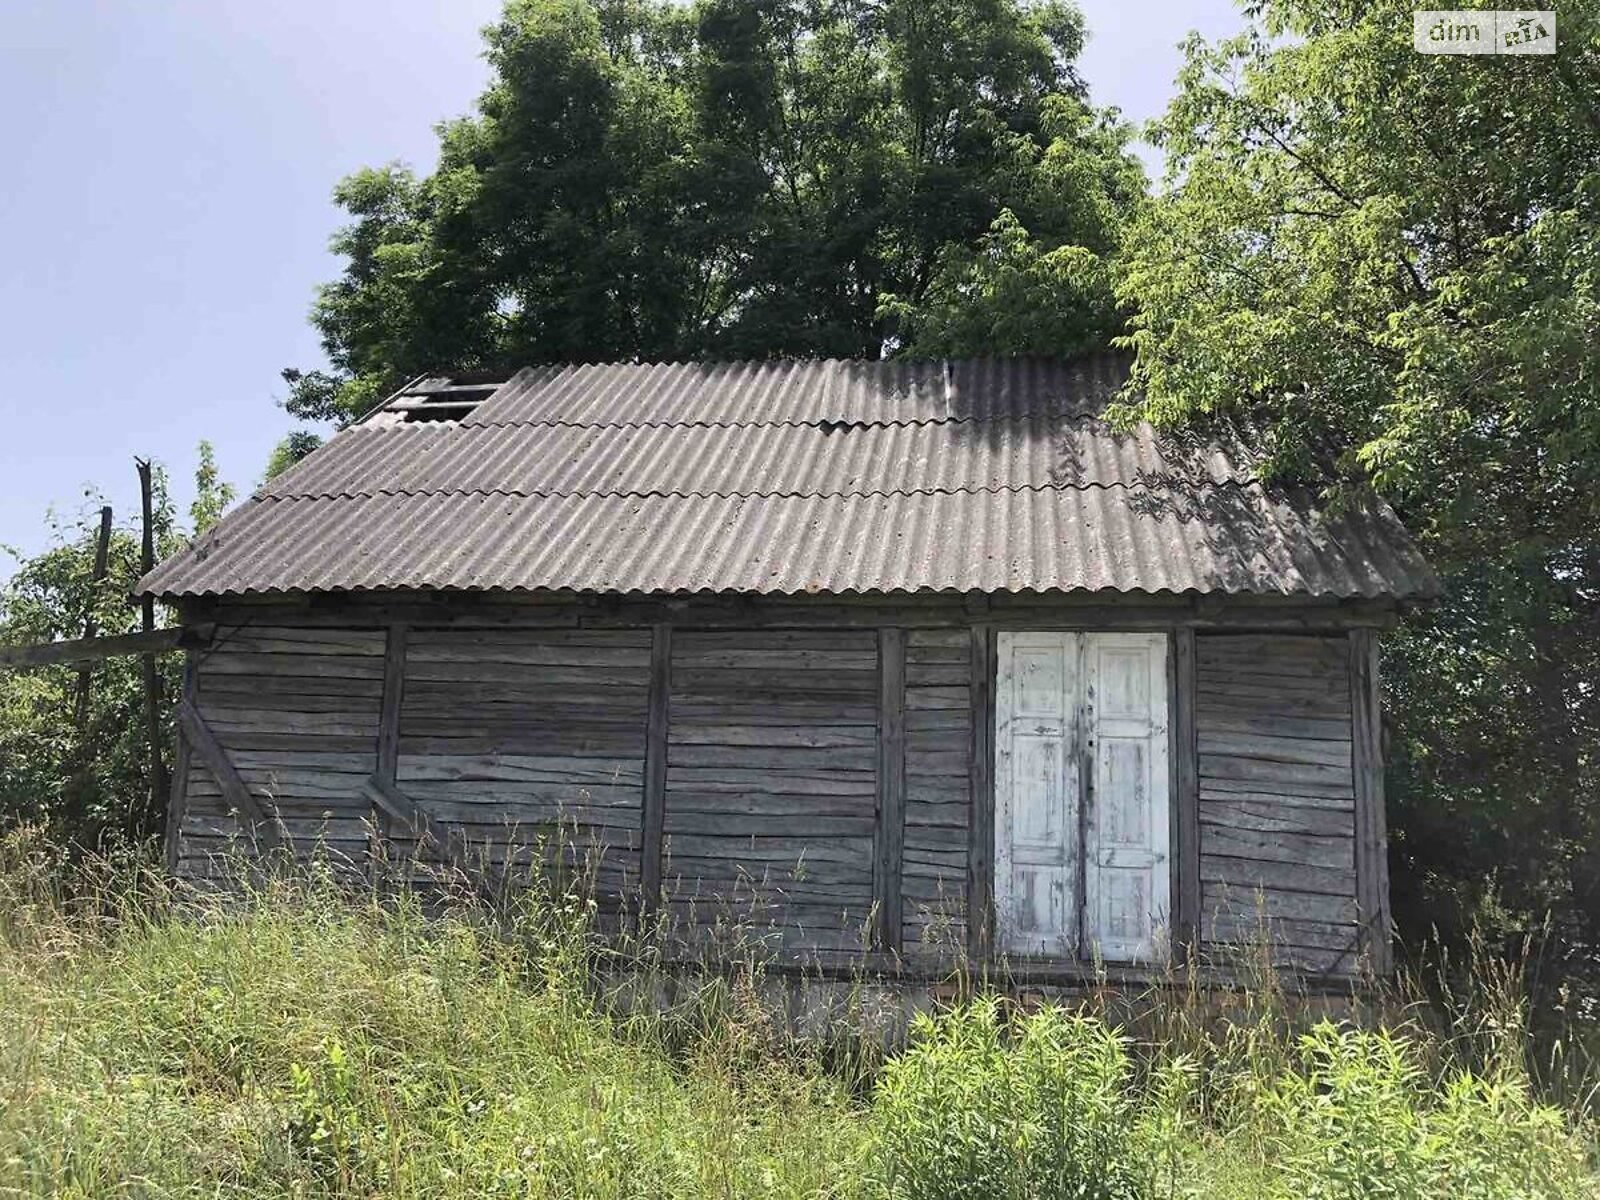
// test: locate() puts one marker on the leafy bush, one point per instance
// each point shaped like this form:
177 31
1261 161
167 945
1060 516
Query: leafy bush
74 743
1361 1118
983 1107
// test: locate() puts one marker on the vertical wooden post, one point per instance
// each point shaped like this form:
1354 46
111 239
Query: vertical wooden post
1185 755
1372 839
152 678
388 751
980 781
890 827
75 793
654 811
394 688
102 550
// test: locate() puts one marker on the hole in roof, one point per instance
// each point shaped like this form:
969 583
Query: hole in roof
440 398
436 412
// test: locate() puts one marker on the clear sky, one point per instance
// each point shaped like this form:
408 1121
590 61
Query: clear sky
165 211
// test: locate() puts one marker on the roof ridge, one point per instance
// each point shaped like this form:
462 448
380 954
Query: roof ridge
1199 483
747 360
820 422
830 423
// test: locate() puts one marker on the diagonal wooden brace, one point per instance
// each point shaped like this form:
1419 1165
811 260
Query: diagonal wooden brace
407 817
261 825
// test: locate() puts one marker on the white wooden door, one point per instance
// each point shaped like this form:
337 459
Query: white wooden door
1080 872
1037 782
1127 892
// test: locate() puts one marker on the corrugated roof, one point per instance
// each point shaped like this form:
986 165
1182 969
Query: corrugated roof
801 392
1216 539
789 477
753 460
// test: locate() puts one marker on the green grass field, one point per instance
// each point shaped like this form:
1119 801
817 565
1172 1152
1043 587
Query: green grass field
298 1041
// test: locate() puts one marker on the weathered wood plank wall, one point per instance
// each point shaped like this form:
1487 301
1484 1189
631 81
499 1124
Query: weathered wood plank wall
771 788
655 768
531 741
938 810
1277 796
758 760
296 710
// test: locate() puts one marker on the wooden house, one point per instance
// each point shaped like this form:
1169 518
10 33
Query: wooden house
899 661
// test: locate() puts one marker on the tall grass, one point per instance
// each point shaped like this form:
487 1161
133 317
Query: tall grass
293 1037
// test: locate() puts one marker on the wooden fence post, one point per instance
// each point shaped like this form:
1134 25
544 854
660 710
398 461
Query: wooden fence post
152 679
178 803
102 552
75 792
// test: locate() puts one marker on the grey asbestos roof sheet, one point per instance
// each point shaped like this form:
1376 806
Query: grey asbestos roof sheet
745 460
789 478
799 392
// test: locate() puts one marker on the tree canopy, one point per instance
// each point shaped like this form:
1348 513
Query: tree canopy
1389 262
644 179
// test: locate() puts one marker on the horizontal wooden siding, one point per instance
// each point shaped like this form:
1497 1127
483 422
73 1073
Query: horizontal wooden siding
771 781
938 809
531 740
296 710
1277 797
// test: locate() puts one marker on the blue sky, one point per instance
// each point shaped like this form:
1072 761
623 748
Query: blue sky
165 211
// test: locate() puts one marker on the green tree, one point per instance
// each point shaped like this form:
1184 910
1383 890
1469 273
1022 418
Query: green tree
735 178
211 495
1389 262
296 445
91 782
